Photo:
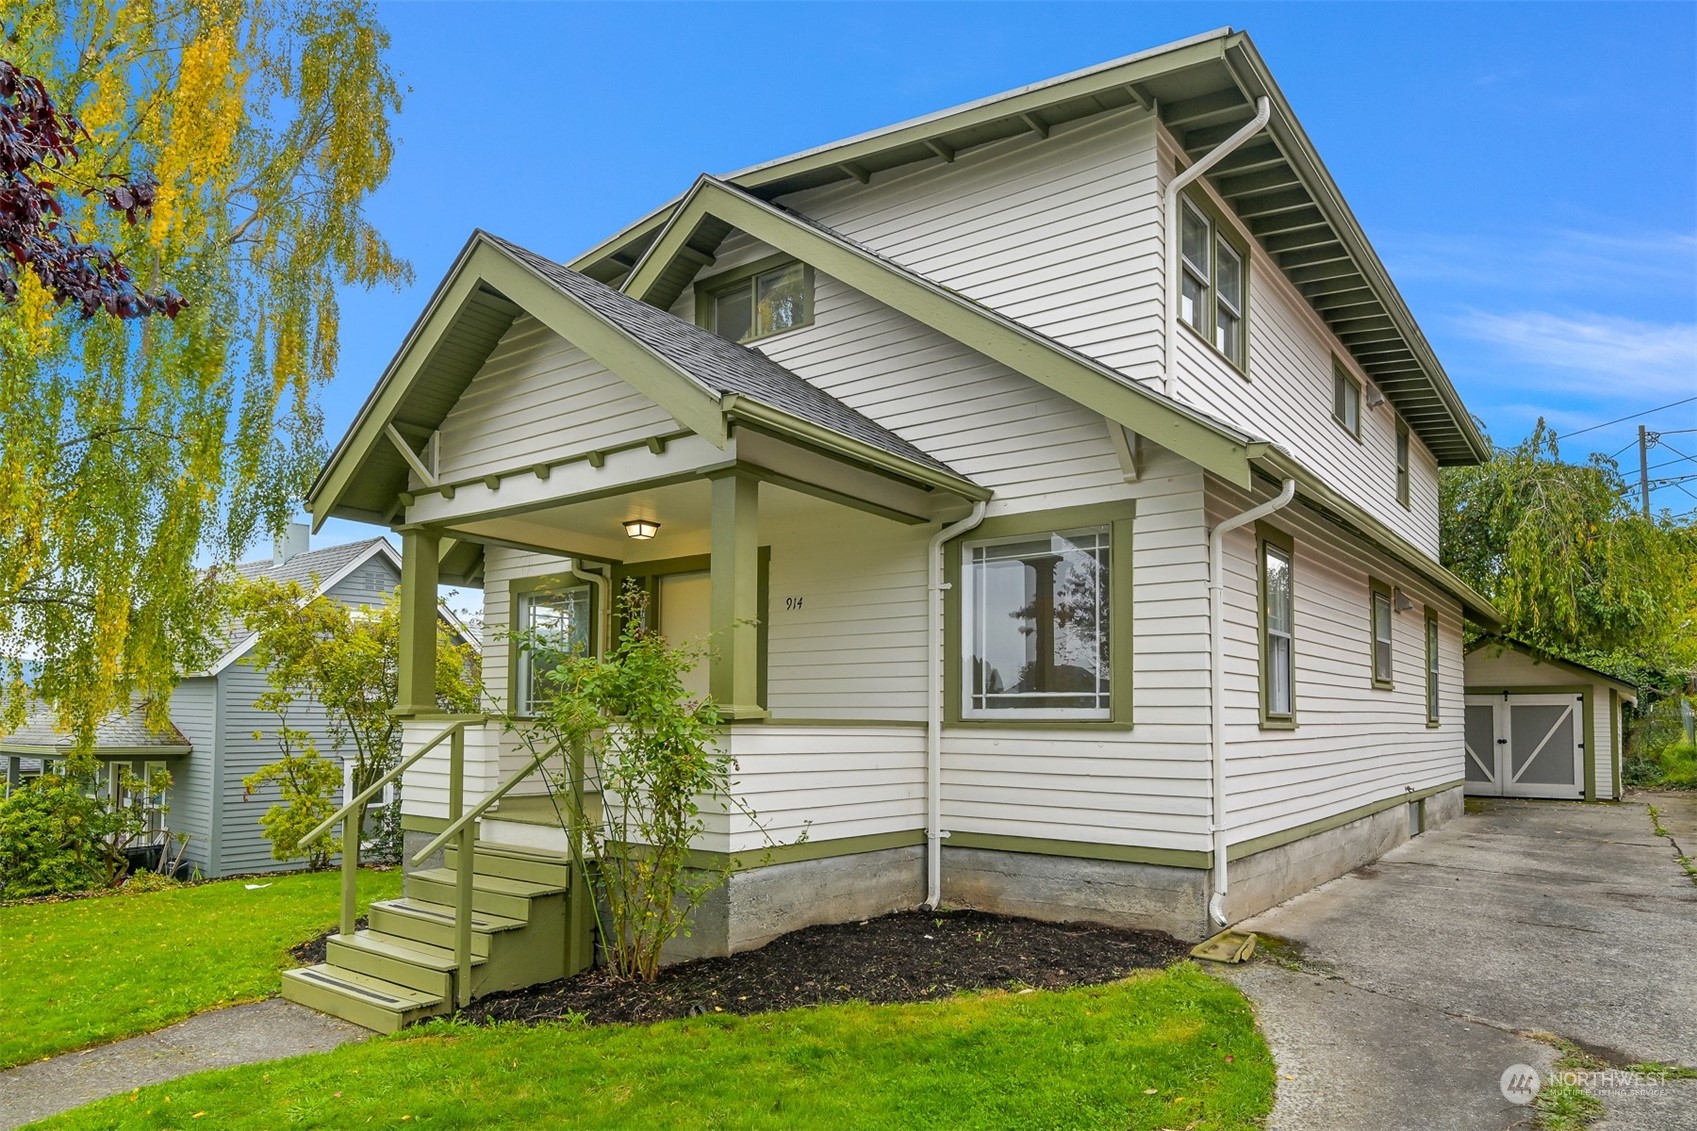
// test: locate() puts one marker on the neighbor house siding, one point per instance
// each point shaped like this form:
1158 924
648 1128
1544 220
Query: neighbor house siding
1353 744
511 413
194 710
243 846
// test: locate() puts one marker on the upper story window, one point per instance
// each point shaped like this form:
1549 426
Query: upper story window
1213 284
558 620
758 301
1402 462
1037 626
1346 399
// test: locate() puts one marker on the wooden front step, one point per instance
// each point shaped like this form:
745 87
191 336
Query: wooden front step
364 1000
403 961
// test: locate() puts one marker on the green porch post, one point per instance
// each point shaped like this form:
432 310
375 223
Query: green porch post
420 552
733 677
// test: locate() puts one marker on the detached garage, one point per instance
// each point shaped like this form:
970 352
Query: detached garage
1538 726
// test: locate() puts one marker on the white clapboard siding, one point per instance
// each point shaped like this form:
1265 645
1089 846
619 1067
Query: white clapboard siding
832 782
1355 744
1489 667
539 397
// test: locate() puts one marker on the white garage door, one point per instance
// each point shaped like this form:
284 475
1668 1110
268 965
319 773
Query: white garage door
1526 745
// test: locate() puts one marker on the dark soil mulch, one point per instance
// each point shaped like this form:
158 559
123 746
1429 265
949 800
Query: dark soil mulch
908 956
313 951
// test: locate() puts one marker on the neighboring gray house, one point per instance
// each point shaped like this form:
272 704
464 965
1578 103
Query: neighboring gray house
211 745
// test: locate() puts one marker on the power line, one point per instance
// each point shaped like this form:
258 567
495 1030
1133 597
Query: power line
1671 462
1624 419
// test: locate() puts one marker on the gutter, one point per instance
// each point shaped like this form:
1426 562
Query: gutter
934 645
604 590
1263 111
1217 680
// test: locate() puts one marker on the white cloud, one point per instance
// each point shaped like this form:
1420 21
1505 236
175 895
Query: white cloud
1551 261
1578 352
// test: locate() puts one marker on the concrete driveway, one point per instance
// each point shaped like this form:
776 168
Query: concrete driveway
1405 989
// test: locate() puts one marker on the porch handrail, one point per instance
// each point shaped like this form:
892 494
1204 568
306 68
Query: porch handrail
375 787
481 807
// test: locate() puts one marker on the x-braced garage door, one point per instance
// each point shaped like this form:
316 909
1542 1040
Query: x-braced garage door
1526 745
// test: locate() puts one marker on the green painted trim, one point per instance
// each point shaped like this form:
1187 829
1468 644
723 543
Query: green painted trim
1375 589
821 849
1246 848
1590 745
1614 745
1588 720
1266 535
543 468
1220 226
1433 636
1087 382
708 290
413 823
830 495
1404 458
419 597
837 444
1082 850
1120 518
736 614
782 722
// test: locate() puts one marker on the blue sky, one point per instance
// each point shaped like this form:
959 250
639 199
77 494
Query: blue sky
1528 172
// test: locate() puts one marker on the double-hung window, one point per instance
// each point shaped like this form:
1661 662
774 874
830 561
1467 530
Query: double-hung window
556 625
1213 285
1278 631
1036 618
757 303
1402 463
1379 611
1346 399
1431 666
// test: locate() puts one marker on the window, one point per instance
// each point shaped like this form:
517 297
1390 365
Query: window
1431 666
1213 286
153 803
746 305
1278 630
1228 303
1346 399
559 621
1402 462
1380 611
1037 626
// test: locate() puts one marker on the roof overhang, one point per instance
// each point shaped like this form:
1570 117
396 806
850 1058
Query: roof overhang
109 753
1203 89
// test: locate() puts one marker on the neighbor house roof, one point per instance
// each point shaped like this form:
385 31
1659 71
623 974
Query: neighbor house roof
1203 89
125 731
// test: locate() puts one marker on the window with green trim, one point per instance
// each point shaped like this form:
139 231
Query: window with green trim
1379 608
1346 399
1402 463
745 306
1213 284
1431 666
1037 626
1278 632
558 621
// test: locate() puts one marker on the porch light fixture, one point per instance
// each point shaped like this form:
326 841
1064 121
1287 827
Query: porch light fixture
641 529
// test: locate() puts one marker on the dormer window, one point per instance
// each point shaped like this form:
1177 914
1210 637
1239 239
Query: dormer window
756 302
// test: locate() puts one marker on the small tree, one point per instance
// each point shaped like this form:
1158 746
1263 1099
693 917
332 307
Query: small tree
624 725
62 834
344 660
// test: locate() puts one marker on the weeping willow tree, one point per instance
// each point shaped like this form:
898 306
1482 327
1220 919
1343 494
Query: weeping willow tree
1568 561
133 451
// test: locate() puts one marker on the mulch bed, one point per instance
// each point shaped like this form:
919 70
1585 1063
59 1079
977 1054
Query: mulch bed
907 956
313 951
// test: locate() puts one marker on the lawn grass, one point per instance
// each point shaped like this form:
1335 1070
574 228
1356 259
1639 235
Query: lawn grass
86 971
1170 1048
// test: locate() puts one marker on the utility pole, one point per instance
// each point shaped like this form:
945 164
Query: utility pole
1644 469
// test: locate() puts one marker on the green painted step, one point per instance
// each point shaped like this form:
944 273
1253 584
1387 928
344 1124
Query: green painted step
433 923
360 998
393 958
496 895
516 863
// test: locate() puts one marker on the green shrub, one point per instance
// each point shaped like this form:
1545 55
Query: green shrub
65 834
142 882
1658 753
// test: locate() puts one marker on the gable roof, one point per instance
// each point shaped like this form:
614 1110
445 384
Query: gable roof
1542 656
316 571
694 374
1202 89
123 731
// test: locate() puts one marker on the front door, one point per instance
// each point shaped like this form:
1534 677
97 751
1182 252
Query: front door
1525 745
685 607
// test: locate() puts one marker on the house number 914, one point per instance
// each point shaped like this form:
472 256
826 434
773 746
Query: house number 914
791 604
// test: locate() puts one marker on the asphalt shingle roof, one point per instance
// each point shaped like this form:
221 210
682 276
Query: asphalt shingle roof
304 568
723 366
123 729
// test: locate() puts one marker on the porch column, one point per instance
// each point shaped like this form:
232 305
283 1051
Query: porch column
733 674
417 660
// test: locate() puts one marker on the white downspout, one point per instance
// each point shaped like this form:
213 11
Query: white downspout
604 590
1217 681
934 645
1263 111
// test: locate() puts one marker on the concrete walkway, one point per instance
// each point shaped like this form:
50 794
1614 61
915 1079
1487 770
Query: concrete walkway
242 1034
1406 988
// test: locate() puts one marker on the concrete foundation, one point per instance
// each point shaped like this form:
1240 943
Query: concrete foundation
1065 888
413 840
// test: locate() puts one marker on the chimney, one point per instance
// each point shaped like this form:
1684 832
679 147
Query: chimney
295 539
